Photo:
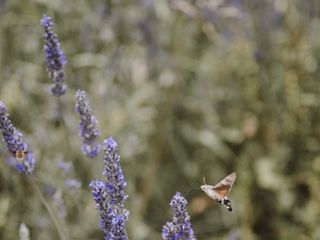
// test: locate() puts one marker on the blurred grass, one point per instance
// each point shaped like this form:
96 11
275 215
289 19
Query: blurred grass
188 89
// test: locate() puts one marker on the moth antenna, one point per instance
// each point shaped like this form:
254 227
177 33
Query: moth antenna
204 180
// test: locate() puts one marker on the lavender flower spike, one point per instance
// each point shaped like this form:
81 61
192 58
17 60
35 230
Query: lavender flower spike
15 144
180 227
88 126
55 58
109 195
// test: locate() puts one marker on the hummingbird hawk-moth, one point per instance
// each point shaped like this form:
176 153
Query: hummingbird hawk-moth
220 191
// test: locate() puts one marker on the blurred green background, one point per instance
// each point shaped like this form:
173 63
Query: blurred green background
188 89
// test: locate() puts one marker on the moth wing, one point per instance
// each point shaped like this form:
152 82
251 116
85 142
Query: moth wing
211 192
221 191
224 186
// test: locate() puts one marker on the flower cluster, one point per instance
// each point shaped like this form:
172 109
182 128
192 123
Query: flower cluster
109 195
88 125
180 227
55 58
15 144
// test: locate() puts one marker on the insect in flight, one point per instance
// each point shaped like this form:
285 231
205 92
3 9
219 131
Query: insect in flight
220 191
20 154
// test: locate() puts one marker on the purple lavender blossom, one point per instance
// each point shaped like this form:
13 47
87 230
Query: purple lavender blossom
180 227
65 166
14 142
88 126
109 195
55 58
59 204
73 184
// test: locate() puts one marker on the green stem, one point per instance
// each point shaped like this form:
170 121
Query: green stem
49 209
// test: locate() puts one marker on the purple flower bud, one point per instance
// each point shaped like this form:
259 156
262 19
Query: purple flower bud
180 227
15 144
65 166
88 126
109 195
73 184
55 58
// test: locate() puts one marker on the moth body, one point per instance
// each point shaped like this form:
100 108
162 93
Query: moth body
226 202
220 191
20 155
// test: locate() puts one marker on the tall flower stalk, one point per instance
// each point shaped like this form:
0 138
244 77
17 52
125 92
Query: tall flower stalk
88 126
180 227
109 195
55 58
25 161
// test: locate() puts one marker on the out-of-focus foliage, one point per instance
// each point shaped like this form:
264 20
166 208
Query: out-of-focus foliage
188 89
